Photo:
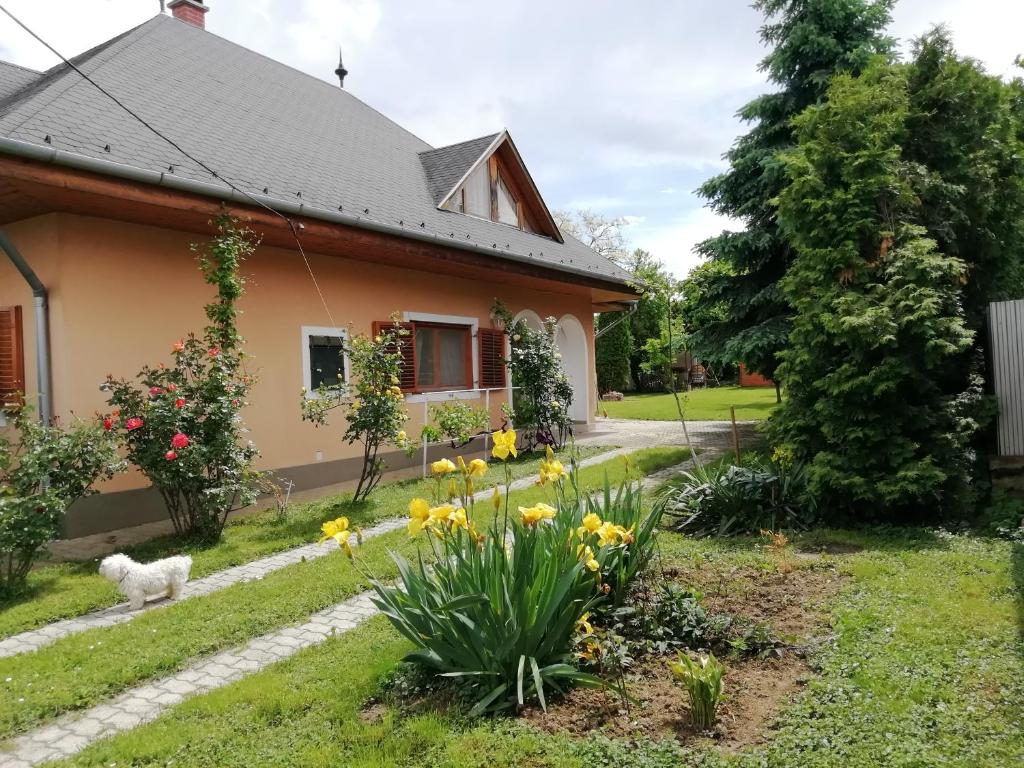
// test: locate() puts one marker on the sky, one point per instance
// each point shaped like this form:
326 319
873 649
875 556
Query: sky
622 108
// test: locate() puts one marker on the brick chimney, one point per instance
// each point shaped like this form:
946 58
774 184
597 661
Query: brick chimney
189 11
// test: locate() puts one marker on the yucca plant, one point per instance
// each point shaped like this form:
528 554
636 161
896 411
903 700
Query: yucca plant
499 609
703 681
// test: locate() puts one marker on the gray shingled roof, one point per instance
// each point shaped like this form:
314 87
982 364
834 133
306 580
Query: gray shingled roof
265 127
14 78
446 165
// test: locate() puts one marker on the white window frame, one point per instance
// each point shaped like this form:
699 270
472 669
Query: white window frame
449 394
307 374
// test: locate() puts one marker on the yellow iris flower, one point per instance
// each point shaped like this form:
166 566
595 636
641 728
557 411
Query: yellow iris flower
609 534
458 519
583 624
587 554
339 531
496 499
551 471
477 468
419 515
440 514
533 515
504 444
591 523
442 467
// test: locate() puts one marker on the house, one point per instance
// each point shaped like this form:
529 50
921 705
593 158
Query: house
101 207
752 379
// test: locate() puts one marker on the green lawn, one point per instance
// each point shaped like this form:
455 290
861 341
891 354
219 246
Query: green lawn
71 589
81 670
709 404
923 668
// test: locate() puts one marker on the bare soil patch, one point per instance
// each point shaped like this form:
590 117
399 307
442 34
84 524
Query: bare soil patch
792 603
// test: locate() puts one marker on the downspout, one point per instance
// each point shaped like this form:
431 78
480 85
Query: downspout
42 325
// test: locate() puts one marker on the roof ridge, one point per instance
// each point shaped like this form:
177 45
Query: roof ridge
314 78
60 69
488 137
20 66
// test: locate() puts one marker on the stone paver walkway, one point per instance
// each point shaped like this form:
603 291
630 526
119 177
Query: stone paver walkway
118 614
71 733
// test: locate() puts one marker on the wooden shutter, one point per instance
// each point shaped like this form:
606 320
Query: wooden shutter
492 358
12 357
407 378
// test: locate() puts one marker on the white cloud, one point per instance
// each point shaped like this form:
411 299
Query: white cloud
673 243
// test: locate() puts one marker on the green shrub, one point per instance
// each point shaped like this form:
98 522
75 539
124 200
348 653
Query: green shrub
457 422
1004 515
43 470
703 681
727 499
498 610
658 620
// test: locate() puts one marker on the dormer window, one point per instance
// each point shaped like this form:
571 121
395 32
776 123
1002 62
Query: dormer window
490 182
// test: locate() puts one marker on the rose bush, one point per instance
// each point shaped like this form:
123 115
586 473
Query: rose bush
181 422
374 408
543 392
43 470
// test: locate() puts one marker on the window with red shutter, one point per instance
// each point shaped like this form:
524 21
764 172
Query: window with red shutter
12 357
407 378
492 358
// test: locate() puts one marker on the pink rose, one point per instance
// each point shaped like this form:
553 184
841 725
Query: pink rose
154 391
133 423
213 351
180 440
172 387
170 455
178 346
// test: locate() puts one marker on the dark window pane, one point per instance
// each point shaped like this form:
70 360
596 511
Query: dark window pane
326 364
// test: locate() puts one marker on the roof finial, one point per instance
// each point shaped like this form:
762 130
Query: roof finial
340 71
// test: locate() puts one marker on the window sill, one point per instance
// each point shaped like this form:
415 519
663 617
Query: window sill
443 395
346 397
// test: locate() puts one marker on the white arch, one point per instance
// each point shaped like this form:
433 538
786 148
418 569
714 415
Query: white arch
531 318
571 340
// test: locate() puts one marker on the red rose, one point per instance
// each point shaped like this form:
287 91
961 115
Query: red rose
154 391
180 440
133 423
172 387
108 424
179 403
213 351
170 455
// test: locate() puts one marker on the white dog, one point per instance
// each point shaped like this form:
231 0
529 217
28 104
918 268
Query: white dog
139 581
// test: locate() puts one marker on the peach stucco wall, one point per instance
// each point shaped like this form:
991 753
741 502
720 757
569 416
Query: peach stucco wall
121 294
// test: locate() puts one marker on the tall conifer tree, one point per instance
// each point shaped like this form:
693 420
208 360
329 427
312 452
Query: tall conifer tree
811 40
